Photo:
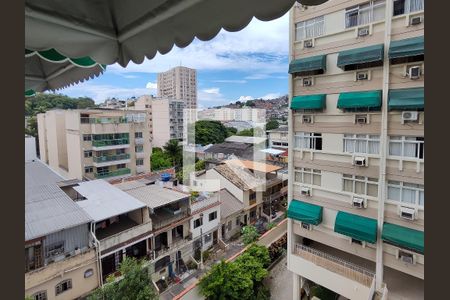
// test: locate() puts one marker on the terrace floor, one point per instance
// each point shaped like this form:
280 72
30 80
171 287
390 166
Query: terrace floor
112 229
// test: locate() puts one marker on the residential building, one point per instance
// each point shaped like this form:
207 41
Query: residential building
30 148
278 138
356 148
179 83
257 185
94 143
225 114
231 214
60 258
239 125
165 118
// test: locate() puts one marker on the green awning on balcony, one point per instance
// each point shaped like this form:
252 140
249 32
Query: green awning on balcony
309 102
308 64
305 212
367 99
357 227
403 237
357 56
407 47
407 99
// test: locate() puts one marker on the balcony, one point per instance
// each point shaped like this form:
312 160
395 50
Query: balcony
341 276
108 160
122 232
139 141
104 120
166 216
118 172
141 154
98 145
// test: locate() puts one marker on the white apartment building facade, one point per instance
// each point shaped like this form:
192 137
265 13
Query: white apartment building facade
356 148
179 83
95 144
278 138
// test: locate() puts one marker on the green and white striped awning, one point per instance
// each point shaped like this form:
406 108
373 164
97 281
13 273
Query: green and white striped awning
50 70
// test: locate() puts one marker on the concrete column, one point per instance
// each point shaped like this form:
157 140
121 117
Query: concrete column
296 286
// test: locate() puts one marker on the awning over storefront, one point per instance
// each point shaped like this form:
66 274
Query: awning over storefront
403 237
357 227
305 212
366 99
407 47
407 99
308 64
309 102
371 54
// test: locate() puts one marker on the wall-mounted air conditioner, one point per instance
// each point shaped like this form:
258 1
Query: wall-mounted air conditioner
407 213
306 226
361 119
307 81
410 116
364 75
415 20
305 191
363 31
406 257
359 202
360 161
307 119
414 72
308 44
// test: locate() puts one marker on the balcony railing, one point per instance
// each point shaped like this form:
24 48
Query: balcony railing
113 120
106 158
104 143
163 219
125 235
123 171
335 265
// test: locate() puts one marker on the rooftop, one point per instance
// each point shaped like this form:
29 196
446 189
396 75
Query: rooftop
47 208
238 149
229 204
105 200
279 129
153 195
246 139
253 165
239 177
273 151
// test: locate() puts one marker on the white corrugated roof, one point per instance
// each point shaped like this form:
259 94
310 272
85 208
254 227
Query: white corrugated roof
105 200
245 139
153 196
48 209
273 151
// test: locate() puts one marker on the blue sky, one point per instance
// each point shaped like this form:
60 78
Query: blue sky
251 63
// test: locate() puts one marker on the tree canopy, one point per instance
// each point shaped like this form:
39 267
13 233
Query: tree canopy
174 151
210 132
249 234
135 284
160 160
272 124
43 102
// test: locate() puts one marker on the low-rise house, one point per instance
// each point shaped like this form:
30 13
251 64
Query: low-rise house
278 138
231 210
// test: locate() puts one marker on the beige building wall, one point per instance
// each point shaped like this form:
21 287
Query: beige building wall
179 83
74 268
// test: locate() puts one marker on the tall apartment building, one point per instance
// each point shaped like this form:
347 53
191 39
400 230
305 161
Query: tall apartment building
165 118
356 148
179 83
91 144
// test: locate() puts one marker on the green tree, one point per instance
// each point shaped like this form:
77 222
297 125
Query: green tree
210 132
200 165
246 132
249 103
174 151
272 124
135 284
43 102
160 160
249 234
231 131
261 253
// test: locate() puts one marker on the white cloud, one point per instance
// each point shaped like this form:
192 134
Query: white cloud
271 96
230 81
152 85
130 76
215 91
245 98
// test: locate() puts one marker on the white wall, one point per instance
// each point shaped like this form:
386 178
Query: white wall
30 148
207 225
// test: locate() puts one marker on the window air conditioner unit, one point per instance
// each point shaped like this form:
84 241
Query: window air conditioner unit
305 191
307 81
416 20
359 202
307 119
362 75
361 119
306 226
307 44
406 257
414 72
359 161
410 116
407 213
363 31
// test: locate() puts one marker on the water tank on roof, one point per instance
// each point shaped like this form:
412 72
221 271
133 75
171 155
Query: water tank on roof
165 177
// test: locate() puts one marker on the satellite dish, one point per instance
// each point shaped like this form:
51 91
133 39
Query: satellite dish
311 2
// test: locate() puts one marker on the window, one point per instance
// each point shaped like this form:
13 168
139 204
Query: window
139 148
252 196
308 140
89 169
407 6
229 225
308 176
63 286
213 216
406 192
87 137
121 166
139 162
88 153
310 28
198 222
369 12
208 237
138 135
404 146
41 295
238 221
360 185
54 249
361 143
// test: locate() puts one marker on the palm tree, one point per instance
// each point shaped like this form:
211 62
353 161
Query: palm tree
174 151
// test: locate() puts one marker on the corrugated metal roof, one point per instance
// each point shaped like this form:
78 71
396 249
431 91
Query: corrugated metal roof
229 204
153 195
246 139
47 208
105 200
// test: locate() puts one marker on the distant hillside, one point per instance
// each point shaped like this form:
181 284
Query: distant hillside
277 103
43 102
